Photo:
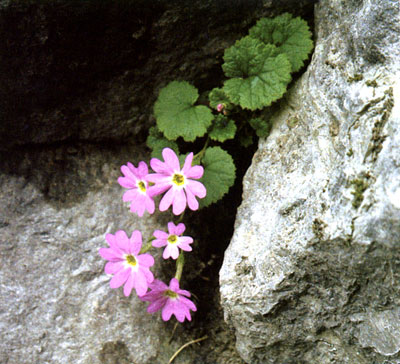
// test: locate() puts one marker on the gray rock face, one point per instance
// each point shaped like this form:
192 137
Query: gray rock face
312 272
56 302
56 306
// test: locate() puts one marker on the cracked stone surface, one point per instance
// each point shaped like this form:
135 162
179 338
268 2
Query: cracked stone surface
62 308
312 271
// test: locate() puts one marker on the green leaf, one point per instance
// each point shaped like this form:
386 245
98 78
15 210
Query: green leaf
176 114
222 129
219 174
290 35
218 96
260 76
245 140
157 142
261 127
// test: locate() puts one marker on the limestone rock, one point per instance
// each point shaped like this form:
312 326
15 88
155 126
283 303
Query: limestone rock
312 271
56 302
56 306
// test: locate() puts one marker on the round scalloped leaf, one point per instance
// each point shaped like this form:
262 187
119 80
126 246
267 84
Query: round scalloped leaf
260 75
217 96
219 174
261 127
222 129
157 142
244 58
176 114
290 35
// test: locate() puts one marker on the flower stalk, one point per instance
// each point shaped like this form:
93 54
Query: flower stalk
180 262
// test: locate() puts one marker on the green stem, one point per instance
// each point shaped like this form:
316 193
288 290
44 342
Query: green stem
181 217
197 158
180 262
147 246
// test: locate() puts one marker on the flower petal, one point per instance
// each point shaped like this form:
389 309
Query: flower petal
158 189
122 240
157 304
142 169
180 311
110 238
126 182
188 163
171 159
197 188
168 310
110 254
113 267
174 284
179 202
185 240
158 285
129 285
135 242
195 172
179 229
167 200
131 195
185 247
171 228
159 243
120 278
150 206
191 200
140 283
160 167
183 292
158 178
159 234
147 273
171 251
188 303
145 260
128 173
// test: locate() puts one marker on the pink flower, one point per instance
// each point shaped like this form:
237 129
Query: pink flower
135 180
170 299
172 240
220 107
179 182
126 264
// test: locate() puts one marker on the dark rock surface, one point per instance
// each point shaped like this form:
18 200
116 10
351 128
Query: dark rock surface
92 70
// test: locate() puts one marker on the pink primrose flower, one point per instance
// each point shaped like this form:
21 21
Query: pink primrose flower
172 240
179 182
220 107
126 264
170 299
138 192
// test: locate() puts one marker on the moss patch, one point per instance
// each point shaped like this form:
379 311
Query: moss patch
360 185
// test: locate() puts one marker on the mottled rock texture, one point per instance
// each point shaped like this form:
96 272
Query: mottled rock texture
78 82
312 272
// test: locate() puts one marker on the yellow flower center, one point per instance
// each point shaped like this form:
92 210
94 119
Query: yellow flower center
142 186
170 294
131 260
178 179
172 239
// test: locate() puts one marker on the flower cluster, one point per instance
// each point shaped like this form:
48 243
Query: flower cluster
128 259
179 184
